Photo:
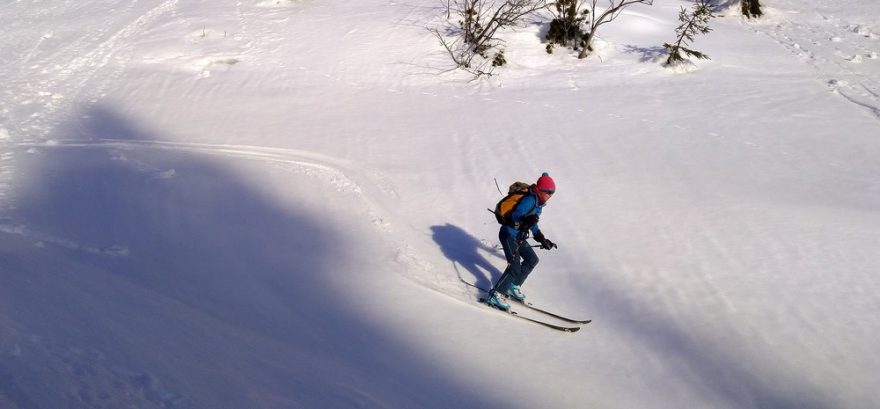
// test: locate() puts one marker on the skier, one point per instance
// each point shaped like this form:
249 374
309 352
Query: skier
523 220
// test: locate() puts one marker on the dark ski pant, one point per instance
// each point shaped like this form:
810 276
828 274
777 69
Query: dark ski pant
515 248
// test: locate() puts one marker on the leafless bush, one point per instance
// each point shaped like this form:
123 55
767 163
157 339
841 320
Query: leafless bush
471 42
609 14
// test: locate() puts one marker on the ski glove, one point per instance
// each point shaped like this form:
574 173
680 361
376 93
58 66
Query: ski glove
529 221
546 244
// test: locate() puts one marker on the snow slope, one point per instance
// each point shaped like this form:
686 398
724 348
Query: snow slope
280 204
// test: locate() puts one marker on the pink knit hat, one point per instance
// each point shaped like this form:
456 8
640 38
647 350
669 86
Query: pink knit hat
545 183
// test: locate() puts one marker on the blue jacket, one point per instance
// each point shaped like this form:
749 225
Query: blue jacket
527 206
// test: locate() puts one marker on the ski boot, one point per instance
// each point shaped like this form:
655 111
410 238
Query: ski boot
516 292
496 300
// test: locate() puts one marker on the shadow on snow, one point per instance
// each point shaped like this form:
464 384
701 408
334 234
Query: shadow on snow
463 250
159 278
718 374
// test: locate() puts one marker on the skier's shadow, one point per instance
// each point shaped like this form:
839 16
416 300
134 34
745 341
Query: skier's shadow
463 249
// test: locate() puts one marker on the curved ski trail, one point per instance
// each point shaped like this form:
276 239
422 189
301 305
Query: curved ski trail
845 54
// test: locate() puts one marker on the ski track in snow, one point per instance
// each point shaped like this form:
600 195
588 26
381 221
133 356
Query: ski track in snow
366 187
62 87
43 238
49 86
363 185
333 171
844 54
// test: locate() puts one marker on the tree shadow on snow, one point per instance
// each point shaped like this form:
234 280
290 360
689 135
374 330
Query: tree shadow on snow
646 54
464 249
139 274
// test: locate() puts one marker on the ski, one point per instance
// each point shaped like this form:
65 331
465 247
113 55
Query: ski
536 309
554 315
532 320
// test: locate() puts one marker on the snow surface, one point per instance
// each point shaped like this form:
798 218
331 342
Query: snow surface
280 204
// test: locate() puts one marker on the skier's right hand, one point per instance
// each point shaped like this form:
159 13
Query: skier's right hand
546 244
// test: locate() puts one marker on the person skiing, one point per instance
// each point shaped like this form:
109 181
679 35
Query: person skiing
521 258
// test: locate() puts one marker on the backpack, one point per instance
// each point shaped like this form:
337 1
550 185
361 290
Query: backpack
515 194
